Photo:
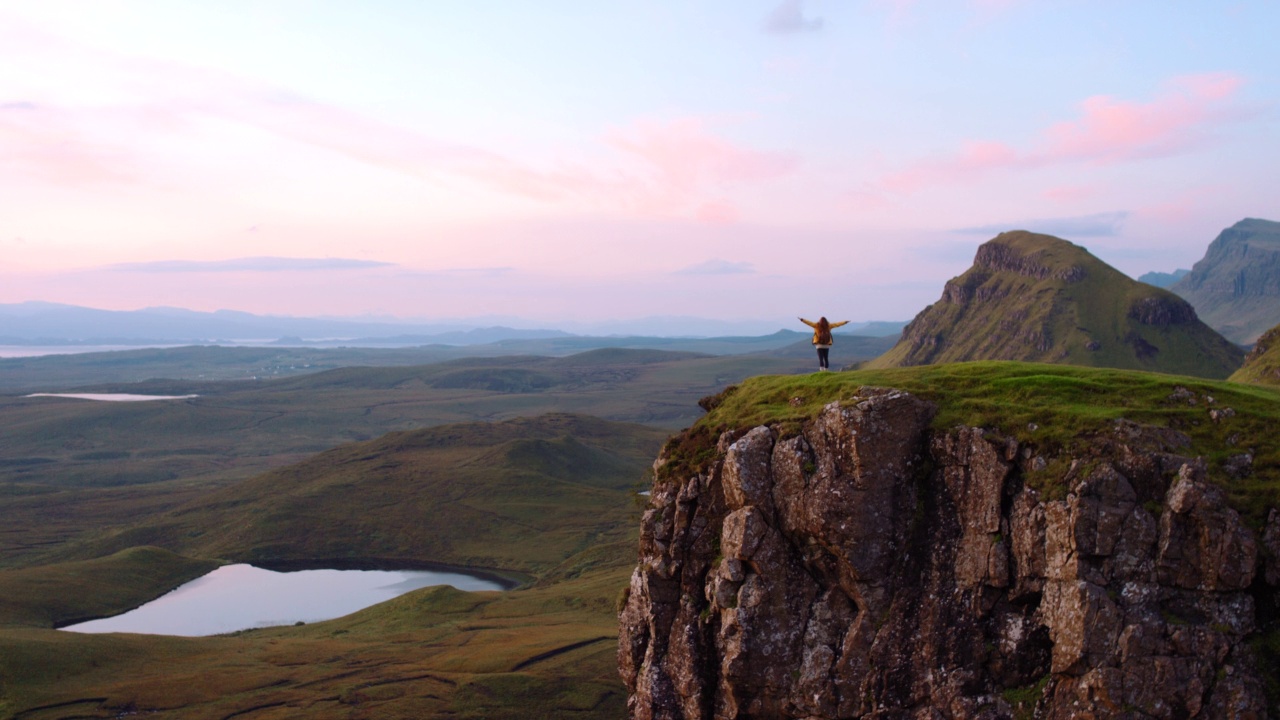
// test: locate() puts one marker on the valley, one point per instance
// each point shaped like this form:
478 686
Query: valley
72 466
487 463
534 469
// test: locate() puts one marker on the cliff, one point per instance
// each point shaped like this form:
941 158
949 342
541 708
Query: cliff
1040 298
1235 288
867 561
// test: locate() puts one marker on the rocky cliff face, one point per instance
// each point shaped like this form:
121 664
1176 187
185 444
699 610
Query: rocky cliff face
863 565
1235 288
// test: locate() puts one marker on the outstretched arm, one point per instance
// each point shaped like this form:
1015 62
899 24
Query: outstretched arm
838 324
810 324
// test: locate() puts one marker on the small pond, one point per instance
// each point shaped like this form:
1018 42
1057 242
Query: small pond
238 597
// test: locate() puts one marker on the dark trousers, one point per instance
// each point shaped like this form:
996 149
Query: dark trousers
822 357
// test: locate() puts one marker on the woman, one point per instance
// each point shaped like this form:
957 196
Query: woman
822 338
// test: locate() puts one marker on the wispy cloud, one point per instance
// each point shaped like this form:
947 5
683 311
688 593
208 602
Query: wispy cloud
665 167
1181 118
717 266
251 264
789 18
1107 224
682 161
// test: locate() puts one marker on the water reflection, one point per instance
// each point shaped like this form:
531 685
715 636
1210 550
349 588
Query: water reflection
112 397
236 597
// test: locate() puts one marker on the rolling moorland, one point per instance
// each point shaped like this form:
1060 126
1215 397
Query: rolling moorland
68 466
546 649
100 498
473 494
203 363
527 467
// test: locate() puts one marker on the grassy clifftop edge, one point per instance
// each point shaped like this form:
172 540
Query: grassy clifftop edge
1057 410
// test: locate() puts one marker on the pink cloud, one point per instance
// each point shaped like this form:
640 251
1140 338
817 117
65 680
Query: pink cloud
1111 129
717 212
1181 118
680 161
36 144
1069 193
662 168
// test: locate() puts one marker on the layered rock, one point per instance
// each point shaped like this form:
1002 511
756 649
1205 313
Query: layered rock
1039 298
1235 287
867 566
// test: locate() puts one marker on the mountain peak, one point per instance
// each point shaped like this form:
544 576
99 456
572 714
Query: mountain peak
1043 299
1032 255
1236 286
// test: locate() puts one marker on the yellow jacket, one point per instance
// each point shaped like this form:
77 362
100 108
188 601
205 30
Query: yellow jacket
821 336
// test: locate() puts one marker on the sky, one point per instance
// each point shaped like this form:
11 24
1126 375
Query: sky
579 162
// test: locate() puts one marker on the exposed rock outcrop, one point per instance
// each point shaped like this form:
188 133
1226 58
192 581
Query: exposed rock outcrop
864 565
1235 287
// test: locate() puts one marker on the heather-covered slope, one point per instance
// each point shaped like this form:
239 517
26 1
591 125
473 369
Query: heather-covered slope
1039 298
1235 288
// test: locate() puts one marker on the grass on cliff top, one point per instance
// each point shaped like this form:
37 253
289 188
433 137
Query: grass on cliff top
1056 409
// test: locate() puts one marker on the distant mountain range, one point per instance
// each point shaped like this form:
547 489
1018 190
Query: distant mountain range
1235 288
1163 279
41 323
1040 298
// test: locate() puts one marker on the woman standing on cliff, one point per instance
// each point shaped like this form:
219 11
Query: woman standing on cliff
822 339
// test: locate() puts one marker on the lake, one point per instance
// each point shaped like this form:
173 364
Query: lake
238 597
112 397
25 351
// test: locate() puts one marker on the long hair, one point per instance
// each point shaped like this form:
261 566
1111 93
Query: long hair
824 325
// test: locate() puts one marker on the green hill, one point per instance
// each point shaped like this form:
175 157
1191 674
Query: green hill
1235 288
548 500
1042 299
520 495
1262 364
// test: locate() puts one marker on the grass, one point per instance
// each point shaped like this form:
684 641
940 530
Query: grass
1023 699
547 499
100 458
56 595
1055 409
539 652
520 495
1262 365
